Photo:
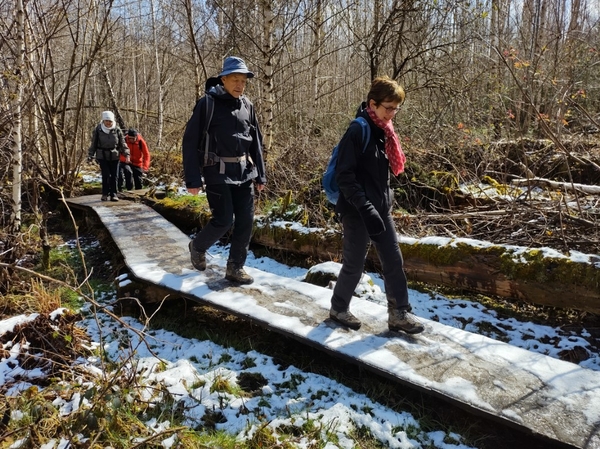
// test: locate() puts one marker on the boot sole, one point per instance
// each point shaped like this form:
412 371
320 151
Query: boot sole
239 281
346 324
406 331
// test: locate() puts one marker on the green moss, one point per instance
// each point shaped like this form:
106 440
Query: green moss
194 202
292 238
529 265
448 254
533 266
442 180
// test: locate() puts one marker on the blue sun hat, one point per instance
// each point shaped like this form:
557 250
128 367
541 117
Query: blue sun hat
233 64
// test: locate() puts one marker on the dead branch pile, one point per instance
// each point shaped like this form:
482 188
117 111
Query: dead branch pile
525 192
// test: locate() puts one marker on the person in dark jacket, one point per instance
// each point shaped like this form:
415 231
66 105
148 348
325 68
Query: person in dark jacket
365 204
106 147
131 174
228 159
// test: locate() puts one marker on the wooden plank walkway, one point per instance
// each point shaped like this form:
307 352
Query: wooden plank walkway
555 400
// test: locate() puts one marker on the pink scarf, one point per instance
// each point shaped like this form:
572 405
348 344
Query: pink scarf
392 144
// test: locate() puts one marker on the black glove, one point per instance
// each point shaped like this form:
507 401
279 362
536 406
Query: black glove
372 219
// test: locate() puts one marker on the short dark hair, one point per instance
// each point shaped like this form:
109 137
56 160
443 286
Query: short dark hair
383 88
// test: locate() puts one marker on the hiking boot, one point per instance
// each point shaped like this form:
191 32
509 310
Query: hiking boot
237 274
345 318
401 320
198 259
114 198
104 198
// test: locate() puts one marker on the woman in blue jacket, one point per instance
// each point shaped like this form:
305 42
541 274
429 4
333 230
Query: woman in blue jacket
365 204
222 146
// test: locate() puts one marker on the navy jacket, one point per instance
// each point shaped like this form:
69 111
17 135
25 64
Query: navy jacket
233 132
363 177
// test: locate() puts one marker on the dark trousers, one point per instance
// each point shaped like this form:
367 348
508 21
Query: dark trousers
109 176
130 176
230 205
355 246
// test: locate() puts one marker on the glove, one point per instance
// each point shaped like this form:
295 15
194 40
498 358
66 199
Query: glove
372 219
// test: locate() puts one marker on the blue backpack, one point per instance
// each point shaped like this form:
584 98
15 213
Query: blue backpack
332 191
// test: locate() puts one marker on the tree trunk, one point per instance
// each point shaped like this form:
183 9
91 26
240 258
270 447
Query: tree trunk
160 113
17 155
267 125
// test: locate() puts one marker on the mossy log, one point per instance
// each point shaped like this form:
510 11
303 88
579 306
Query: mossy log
541 277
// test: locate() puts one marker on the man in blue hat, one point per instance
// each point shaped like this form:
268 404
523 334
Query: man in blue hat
222 150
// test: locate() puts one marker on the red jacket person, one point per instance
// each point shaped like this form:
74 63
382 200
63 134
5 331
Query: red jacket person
131 173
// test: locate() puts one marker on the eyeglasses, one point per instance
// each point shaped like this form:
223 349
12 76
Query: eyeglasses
390 109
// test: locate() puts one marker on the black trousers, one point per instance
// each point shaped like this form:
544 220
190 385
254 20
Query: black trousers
109 176
231 205
130 176
356 242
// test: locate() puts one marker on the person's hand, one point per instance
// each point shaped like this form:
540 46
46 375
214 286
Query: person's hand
193 190
372 219
260 187
127 159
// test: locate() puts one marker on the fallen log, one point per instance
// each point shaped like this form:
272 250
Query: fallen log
556 185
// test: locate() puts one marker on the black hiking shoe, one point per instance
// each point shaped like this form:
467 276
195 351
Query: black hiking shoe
104 198
345 318
401 320
198 259
237 274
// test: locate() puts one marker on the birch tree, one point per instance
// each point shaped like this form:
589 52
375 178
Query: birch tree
267 53
17 159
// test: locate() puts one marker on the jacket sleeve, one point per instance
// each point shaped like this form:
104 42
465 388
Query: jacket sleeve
92 148
256 150
122 146
145 154
350 149
191 143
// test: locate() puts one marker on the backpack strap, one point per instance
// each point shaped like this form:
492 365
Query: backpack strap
366 131
209 102
246 104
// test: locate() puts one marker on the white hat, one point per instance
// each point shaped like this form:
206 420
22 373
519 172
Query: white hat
108 115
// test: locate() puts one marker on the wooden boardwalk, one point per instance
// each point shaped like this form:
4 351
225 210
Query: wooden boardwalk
557 401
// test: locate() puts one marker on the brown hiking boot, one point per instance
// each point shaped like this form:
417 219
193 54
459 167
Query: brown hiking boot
237 274
198 259
401 320
345 318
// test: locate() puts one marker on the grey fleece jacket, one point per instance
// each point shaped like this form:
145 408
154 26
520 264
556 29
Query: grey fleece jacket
107 146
